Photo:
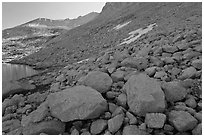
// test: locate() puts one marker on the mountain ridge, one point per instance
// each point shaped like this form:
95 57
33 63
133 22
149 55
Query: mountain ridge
88 40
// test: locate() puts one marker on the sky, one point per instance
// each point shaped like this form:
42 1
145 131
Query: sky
16 13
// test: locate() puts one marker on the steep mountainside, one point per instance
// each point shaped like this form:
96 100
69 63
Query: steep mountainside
97 35
134 70
28 38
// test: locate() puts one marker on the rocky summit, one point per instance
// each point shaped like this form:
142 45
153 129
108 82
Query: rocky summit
135 69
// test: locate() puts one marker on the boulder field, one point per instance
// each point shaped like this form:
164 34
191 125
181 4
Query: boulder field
150 87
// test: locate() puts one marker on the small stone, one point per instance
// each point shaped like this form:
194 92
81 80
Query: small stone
175 71
107 115
133 130
75 132
150 71
155 120
98 126
112 107
77 124
36 116
107 133
170 49
138 62
197 64
86 133
182 121
9 117
132 118
111 94
118 76
198 116
191 102
10 125
160 74
174 91
98 80
188 73
118 110
55 87
61 78
168 127
143 126
197 130
168 60
122 100
115 123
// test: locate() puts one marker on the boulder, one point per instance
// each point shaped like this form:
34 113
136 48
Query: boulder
189 72
155 120
170 49
174 91
15 87
150 71
132 118
197 64
137 62
197 130
122 100
98 126
10 125
55 87
118 76
76 103
133 130
61 78
191 102
99 81
52 127
115 123
16 100
36 116
182 121
37 97
198 116
160 75
144 95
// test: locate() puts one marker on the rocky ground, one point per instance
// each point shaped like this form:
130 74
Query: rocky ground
150 87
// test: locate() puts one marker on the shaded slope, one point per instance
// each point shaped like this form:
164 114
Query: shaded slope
97 35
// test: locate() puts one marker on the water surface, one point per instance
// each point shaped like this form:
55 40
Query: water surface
15 72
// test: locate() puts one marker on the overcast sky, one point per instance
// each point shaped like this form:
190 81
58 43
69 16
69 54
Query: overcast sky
16 13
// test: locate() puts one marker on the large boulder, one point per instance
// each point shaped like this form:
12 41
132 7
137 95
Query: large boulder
182 121
10 125
98 80
174 91
36 116
76 103
144 95
133 130
155 120
14 87
52 127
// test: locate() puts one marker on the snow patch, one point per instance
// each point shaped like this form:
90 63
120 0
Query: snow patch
37 26
121 25
85 60
137 33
